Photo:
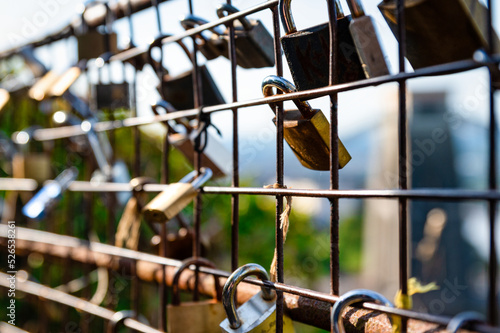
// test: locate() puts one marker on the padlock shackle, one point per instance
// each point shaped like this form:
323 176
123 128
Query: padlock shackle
192 21
158 66
280 83
352 297
119 317
287 21
462 319
200 262
230 9
229 291
196 182
169 108
356 8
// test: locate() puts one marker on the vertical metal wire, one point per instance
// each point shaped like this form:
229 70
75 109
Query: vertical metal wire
492 276
402 160
279 174
334 156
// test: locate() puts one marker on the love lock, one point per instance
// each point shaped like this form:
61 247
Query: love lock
171 201
306 130
258 314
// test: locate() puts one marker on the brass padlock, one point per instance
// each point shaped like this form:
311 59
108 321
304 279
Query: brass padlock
308 51
438 32
30 161
254 44
206 314
258 314
306 130
178 90
350 298
171 201
365 38
211 47
211 156
49 194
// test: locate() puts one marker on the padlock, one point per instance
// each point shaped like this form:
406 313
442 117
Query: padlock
30 161
438 32
178 90
306 130
171 201
308 51
91 43
254 44
49 194
353 297
365 38
211 47
207 314
212 157
258 314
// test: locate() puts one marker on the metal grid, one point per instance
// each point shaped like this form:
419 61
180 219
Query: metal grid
403 194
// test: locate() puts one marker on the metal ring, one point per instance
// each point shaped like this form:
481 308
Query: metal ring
351 297
230 9
118 318
176 299
463 319
206 174
278 82
229 291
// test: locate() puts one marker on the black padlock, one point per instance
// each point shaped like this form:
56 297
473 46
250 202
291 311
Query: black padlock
211 46
178 90
254 44
308 51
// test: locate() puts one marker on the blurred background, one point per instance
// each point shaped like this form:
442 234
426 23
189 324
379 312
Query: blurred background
448 119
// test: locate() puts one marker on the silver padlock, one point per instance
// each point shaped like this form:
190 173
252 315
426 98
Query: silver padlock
49 194
254 44
171 201
258 314
211 46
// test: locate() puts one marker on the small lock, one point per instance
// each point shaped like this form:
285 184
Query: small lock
30 161
254 44
306 130
211 47
207 314
258 314
213 157
178 90
308 51
171 201
49 194
111 96
365 38
438 32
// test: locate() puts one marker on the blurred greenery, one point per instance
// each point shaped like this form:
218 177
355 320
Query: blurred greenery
306 249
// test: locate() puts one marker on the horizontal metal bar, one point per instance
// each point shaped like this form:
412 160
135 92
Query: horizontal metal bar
18 184
47 134
58 296
304 305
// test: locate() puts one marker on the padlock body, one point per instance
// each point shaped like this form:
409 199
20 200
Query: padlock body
210 158
195 317
309 140
213 47
92 44
36 166
169 203
112 96
178 90
438 32
258 316
367 44
254 47
308 56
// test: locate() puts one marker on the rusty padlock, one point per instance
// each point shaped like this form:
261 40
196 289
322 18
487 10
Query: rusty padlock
254 44
171 201
49 194
207 314
211 46
438 32
365 38
211 156
92 43
306 130
178 90
257 315
308 51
